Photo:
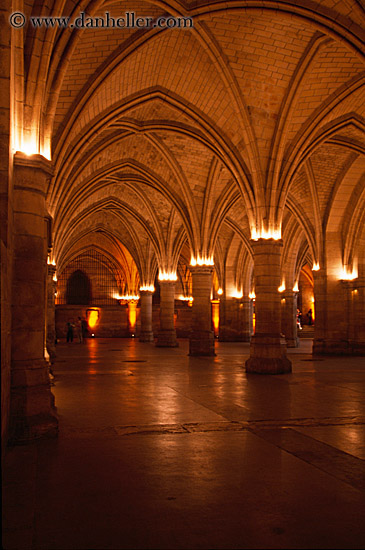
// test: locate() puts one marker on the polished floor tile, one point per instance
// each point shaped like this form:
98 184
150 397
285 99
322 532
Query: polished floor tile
161 450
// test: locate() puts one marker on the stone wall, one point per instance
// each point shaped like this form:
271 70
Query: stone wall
113 320
6 219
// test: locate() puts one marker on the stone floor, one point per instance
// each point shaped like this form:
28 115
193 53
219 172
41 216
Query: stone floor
158 450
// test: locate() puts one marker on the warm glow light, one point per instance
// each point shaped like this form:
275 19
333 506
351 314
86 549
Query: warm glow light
132 315
296 288
55 278
186 298
201 261
312 299
220 291
315 267
346 275
149 288
167 276
282 287
29 146
126 297
237 294
252 295
215 317
264 234
92 317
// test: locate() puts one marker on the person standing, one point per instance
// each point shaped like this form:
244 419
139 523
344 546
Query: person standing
310 317
79 330
70 332
84 328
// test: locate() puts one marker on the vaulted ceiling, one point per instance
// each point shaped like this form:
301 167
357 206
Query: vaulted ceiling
251 121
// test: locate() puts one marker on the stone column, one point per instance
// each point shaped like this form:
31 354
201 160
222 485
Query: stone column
339 316
146 316
289 318
50 319
32 413
166 337
357 337
267 349
201 341
235 324
320 291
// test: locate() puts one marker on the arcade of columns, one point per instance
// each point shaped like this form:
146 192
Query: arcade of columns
239 142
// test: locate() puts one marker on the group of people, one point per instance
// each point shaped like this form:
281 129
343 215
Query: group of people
81 330
309 318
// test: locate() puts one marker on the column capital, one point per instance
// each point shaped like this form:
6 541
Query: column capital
201 269
288 293
51 270
146 292
257 244
353 284
38 162
166 282
32 174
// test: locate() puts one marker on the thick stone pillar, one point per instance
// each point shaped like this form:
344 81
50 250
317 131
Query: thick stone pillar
235 324
166 337
146 334
201 340
357 322
320 296
339 316
289 318
32 413
50 319
267 349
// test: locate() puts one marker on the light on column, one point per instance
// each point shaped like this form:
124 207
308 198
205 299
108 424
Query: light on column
167 276
257 234
201 261
149 288
346 275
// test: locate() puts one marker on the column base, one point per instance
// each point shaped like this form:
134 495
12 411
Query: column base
268 355
25 430
32 408
167 339
146 336
260 365
292 342
323 346
202 343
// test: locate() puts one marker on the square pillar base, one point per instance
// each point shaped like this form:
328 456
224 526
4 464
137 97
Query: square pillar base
268 355
264 365
167 339
24 430
146 336
201 343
